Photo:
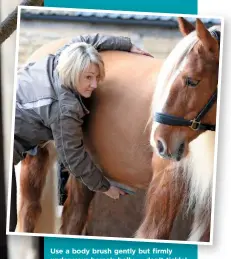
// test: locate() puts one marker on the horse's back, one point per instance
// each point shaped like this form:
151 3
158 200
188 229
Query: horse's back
117 136
48 48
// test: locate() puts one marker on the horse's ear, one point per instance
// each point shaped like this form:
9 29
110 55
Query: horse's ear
185 26
207 40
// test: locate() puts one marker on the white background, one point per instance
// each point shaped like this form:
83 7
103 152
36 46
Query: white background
222 219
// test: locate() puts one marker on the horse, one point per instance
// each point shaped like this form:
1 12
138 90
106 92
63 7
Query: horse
141 133
184 118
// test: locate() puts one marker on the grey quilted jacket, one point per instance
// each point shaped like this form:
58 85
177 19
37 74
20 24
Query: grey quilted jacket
45 110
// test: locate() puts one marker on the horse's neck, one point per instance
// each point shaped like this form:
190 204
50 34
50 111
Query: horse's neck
200 168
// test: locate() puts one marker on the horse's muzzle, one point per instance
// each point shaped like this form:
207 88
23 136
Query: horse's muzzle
166 153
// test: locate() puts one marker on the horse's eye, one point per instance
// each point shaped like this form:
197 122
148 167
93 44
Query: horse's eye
191 82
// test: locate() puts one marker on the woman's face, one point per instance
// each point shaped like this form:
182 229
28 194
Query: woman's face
88 80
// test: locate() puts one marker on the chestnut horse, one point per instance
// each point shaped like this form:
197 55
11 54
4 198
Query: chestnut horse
129 137
184 124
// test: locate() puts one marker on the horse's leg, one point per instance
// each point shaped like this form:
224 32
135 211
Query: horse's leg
75 209
88 219
201 225
206 235
32 180
163 201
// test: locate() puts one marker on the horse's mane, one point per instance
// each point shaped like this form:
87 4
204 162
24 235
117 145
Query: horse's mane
171 66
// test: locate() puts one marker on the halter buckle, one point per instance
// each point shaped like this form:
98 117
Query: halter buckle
195 124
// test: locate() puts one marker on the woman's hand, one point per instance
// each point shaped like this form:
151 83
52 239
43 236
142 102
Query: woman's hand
137 50
114 192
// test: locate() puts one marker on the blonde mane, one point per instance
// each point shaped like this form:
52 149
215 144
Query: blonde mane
171 66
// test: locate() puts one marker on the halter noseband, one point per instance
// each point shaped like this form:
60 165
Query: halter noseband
194 124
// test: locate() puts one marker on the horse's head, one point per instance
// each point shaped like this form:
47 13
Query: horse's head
184 103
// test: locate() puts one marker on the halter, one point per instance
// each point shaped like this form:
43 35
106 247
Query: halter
194 124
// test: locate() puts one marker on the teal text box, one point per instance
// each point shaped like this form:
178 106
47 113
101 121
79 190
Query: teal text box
68 248
161 6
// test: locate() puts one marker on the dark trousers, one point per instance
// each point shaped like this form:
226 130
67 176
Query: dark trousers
62 178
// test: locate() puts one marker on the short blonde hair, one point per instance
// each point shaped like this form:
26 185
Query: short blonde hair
74 59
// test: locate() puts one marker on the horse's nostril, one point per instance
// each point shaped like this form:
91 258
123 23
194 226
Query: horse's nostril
160 146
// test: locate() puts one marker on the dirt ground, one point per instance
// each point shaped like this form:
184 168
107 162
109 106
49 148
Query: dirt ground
113 218
122 218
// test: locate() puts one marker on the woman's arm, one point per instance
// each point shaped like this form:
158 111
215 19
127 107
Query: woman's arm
107 42
68 137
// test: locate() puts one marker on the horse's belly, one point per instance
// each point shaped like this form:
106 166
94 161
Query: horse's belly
117 134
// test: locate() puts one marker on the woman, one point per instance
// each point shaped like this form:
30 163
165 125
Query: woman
49 104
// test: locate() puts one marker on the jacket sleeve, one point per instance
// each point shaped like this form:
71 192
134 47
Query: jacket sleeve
103 42
68 137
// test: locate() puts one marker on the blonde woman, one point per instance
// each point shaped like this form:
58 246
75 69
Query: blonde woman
49 104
